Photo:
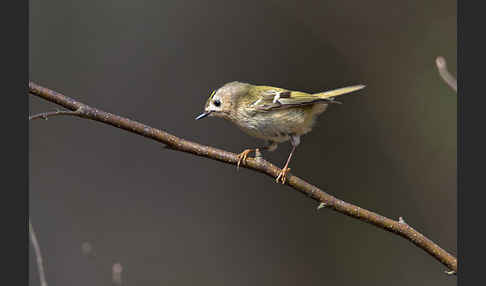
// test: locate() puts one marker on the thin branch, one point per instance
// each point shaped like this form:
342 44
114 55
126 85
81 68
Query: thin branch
116 271
259 164
38 255
448 78
46 115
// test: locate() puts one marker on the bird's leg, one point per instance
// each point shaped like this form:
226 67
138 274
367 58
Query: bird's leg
243 155
282 176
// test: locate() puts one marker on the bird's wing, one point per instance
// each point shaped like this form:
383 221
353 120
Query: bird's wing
271 98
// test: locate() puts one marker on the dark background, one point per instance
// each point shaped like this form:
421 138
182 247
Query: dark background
175 219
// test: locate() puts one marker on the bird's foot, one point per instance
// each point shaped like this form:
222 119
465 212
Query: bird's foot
282 176
242 157
258 154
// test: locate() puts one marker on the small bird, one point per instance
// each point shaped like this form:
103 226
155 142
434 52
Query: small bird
270 113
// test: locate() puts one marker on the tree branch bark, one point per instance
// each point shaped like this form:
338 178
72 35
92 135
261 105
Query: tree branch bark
258 164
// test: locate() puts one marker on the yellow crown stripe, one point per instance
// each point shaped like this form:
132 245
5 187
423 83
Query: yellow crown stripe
212 94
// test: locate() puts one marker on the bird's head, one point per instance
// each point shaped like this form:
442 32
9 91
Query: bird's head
224 101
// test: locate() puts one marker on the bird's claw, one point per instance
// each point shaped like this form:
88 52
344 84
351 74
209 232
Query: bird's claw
282 176
242 157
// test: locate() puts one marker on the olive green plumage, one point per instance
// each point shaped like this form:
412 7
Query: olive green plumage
271 113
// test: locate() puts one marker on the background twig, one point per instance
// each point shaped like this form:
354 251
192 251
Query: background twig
117 274
38 255
260 165
46 115
448 78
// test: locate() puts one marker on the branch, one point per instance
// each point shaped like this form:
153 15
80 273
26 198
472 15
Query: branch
45 115
116 274
448 78
38 255
257 164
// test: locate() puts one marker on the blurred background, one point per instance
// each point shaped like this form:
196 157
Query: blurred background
170 218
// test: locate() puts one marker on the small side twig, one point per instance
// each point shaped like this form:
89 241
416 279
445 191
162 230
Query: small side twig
448 78
451 272
321 205
38 255
401 220
46 115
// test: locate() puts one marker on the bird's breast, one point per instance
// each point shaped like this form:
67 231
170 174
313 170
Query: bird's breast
278 125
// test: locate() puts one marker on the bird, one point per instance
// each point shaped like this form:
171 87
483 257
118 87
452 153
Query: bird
273 114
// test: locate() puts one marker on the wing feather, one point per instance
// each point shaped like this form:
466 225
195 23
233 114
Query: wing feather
271 98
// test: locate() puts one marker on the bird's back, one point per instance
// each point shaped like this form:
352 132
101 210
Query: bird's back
274 113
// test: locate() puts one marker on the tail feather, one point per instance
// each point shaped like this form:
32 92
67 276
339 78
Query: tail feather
340 91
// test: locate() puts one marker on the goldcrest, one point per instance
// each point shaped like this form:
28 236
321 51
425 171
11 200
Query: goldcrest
270 113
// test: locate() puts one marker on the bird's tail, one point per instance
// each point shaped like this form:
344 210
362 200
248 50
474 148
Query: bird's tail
340 91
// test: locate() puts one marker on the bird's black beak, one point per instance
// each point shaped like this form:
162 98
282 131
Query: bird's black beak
204 114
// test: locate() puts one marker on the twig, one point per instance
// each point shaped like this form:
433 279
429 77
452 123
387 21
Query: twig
38 255
451 272
401 220
321 205
448 78
260 165
46 115
117 274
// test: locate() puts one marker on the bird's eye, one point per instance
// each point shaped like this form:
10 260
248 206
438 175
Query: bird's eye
216 102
